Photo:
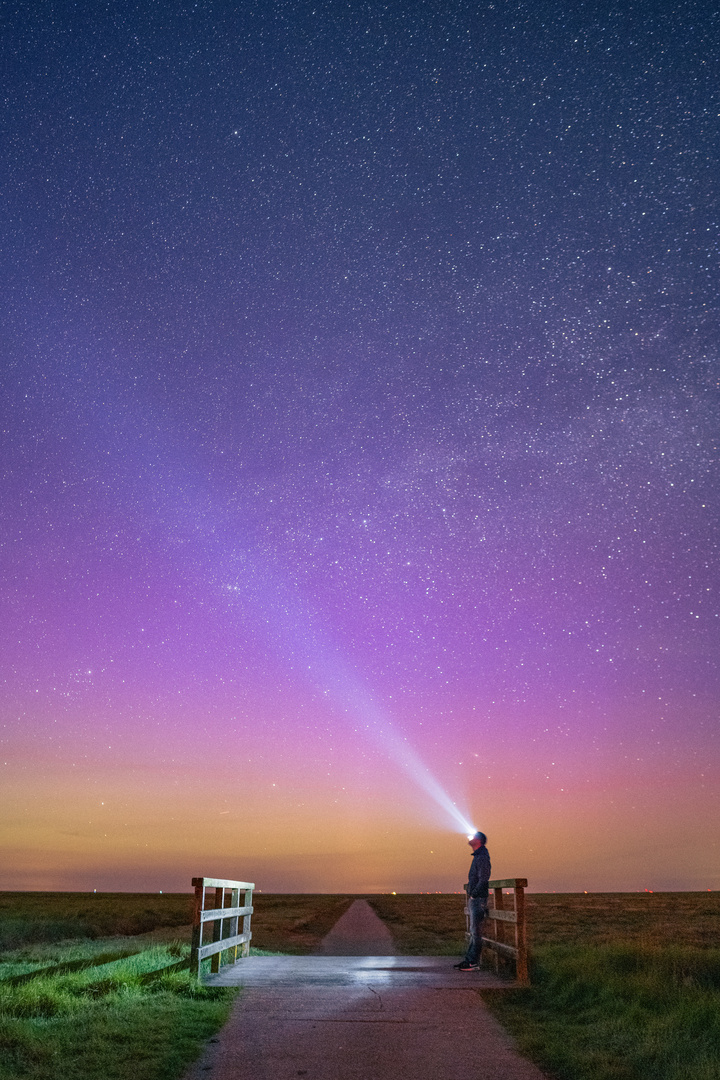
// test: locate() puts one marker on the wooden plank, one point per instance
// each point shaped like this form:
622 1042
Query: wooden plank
503 916
499 946
221 946
224 916
509 883
219 883
227 913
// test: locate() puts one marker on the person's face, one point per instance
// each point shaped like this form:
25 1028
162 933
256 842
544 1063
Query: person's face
474 843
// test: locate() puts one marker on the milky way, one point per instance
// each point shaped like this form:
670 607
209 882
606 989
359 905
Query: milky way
360 353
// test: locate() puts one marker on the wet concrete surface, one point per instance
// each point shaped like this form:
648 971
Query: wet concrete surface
429 972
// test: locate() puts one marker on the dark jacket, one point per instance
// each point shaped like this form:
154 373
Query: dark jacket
479 875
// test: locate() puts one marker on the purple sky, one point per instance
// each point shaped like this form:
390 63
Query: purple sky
360 424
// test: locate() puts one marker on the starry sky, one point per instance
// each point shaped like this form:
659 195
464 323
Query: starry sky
360 415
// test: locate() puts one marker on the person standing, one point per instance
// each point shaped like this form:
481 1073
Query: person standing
477 897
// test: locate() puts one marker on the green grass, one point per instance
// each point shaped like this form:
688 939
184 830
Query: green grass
31 958
107 1021
618 1012
625 986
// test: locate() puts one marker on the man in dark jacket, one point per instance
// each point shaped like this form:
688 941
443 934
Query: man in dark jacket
477 893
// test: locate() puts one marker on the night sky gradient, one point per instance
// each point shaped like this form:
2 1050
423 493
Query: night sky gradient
360 411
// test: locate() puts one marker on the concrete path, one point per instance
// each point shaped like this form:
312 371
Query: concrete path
377 972
359 932
362 1033
355 1017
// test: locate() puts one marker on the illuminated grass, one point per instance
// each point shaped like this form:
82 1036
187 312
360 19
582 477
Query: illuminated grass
31 958
108 1022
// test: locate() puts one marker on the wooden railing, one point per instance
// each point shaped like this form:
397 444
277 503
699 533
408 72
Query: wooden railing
509 918
225 936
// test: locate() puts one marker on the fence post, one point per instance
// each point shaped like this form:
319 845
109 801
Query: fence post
246 924
499 904
197 930
522 973
234 902
217 930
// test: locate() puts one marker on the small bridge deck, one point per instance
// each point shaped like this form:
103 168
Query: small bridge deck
428 972
343 1015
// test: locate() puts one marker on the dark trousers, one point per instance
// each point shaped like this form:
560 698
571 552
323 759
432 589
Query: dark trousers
477 909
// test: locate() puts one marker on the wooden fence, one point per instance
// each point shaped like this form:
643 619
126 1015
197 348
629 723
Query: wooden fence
225 936
509 920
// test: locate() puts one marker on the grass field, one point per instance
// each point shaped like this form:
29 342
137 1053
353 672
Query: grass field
430 924
32 917
111 1021
281 923
618 1012
652 919
434 925
624 986
295 923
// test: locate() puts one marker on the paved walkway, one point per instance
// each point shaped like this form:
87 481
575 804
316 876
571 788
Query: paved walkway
355 1017
359 932
377 972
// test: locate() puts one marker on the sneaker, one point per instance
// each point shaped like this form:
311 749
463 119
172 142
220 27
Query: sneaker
465 966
